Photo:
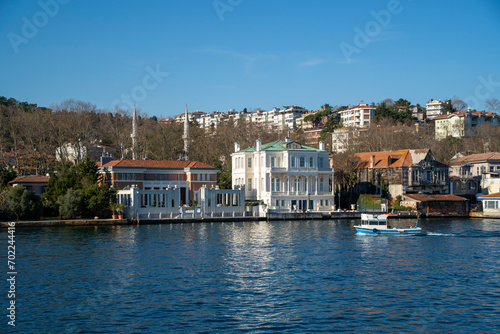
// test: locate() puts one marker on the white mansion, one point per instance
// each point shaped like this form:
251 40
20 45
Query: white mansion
285 175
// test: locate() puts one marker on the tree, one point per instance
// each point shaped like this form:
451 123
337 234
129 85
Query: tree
493 104
6 175
458 104
24 204
96 200
71 204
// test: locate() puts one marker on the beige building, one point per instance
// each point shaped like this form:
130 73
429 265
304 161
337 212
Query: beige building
461 123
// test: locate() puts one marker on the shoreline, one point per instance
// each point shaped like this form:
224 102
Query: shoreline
269 217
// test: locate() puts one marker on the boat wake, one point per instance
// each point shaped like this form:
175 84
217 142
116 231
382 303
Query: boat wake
467 234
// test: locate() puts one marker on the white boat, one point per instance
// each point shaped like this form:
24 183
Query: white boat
377 224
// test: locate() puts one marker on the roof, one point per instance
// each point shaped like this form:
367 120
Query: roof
31 179
400 158
469 112
157 164
281 145
359 106
436 197
476 157
494 195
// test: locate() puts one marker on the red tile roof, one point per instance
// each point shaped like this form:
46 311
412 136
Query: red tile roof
465 112
31 179
494 195
476 157
401 158
157 164
436 197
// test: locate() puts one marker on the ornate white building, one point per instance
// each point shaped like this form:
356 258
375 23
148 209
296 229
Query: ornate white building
285 175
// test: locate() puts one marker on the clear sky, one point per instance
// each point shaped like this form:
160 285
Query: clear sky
232 54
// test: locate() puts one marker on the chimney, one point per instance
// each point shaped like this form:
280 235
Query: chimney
236 147
258 145
372 161
287 139
322 145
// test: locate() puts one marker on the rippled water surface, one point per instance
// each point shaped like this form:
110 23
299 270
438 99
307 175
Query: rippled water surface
258 277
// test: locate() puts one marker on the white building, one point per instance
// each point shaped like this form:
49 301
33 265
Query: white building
462 123
435 108
359 116
285 175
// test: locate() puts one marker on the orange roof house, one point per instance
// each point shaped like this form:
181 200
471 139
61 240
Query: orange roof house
189 176
404 171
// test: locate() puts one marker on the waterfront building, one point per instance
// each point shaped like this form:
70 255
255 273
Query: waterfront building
157 203
462 123
285 175
491 205
359 116
484 167
437 205
215 202
188 176
404 171
35 183
435 108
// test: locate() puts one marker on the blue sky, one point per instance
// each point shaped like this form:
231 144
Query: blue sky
224 54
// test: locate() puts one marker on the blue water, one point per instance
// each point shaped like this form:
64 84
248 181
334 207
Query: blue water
257 277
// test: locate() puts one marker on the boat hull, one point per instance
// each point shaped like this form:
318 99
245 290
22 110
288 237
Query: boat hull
391 231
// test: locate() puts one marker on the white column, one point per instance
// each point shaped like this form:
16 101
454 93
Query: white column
316 182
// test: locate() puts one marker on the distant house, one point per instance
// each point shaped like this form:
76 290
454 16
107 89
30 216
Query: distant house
188 176
461 123
435 108
404 171
342 138
491 205
34 183
437 205
359 116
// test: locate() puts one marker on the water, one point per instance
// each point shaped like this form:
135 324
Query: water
257 277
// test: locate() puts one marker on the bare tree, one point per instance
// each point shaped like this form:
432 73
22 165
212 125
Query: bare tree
493 104
458 104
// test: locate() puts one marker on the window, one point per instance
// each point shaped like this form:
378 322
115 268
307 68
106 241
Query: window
279 163
250 184
321 186
275 184
292 162
249 162
492 168
320 162
305 185
311 162
273 162
302 162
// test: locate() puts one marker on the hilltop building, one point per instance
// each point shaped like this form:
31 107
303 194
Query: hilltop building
435 108
461 123
359 116
285 175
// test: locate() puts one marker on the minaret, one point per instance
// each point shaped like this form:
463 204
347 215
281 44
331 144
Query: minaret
186 135
134 136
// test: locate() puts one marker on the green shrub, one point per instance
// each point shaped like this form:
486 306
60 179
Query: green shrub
71 204
24 204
